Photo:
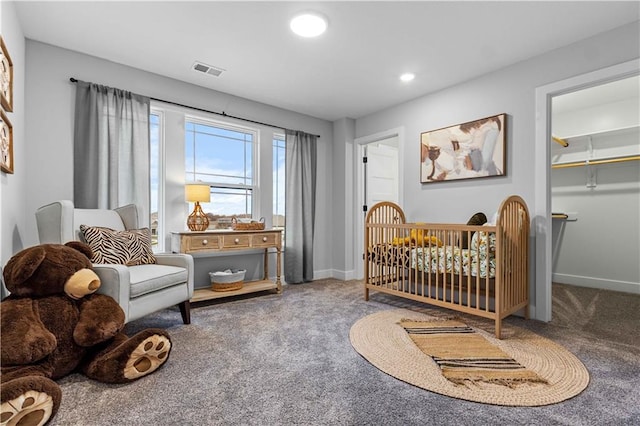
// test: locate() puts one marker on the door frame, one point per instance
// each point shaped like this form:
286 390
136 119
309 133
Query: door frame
358 145
542 173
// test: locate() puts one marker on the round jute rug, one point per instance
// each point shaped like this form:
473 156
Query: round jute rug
385 344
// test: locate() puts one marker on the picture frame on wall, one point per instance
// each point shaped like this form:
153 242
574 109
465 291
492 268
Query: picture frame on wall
6 78
6 144
475 149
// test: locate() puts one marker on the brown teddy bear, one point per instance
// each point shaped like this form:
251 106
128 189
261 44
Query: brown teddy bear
54 324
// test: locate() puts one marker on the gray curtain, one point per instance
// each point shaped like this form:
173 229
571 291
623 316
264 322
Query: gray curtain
300 206
111 149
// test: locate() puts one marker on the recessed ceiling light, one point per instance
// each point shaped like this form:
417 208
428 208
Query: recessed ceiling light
408 76
308 24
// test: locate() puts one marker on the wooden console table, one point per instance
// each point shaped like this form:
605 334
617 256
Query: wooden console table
211 242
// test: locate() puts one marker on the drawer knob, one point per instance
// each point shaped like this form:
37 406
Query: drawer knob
205 242
237 240
264 239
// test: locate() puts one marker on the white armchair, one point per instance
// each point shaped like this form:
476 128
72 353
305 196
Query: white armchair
140 289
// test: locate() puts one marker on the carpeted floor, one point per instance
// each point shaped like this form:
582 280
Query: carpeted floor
287 360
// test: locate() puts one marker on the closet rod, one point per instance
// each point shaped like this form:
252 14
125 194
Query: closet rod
596 162
561 141
223 114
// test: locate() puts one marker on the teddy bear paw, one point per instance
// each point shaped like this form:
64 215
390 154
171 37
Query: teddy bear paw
32 408
150 354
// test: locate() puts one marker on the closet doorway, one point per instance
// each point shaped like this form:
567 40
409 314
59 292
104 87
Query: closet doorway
378 179
595 186
540 294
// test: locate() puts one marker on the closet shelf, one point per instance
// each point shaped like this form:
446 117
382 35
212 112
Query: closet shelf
596 161
600 133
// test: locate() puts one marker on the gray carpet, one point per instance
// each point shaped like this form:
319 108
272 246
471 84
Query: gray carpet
287 360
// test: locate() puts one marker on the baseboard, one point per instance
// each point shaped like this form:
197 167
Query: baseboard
322 274
604 284
343 275
329 273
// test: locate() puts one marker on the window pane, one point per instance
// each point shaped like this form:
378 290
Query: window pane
154 160
189 153
278 182
218 155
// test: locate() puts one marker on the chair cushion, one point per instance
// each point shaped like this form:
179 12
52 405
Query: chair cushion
150 278
132 247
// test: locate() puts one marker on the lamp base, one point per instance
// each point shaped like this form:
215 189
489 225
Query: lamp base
198 220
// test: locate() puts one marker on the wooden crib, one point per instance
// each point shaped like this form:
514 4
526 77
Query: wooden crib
479 270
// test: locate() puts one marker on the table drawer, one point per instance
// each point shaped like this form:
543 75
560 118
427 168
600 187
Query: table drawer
236 241
264 240
202 242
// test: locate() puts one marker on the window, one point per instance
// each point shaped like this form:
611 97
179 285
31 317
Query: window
223 157
155 126
279 150
243 165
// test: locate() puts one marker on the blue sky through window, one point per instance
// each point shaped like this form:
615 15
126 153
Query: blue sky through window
222 158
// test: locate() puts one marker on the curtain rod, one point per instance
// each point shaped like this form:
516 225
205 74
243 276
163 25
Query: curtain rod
223 114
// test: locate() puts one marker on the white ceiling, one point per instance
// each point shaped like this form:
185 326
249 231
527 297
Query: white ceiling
350 71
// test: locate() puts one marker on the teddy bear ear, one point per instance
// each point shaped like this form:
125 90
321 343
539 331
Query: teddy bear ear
22 266
81 247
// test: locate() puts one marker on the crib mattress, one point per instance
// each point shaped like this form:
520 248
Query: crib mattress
474 261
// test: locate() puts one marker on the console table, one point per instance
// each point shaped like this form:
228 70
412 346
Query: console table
211 242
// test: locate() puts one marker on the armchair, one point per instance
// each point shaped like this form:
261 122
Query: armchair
140 289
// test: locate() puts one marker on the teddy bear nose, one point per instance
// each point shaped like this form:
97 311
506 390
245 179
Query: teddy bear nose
83 282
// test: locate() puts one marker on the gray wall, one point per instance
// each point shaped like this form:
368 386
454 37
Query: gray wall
14 187
50 105
343 131
510 90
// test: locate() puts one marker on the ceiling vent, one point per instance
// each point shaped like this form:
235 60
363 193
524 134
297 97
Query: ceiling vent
207 69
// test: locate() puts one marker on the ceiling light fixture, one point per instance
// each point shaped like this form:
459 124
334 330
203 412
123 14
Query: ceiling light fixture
308 24
407 77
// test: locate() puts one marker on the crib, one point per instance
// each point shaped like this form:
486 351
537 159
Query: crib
478 270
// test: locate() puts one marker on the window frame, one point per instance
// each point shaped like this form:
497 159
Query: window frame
255 160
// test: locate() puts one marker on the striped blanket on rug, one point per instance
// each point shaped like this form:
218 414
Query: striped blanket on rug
464 356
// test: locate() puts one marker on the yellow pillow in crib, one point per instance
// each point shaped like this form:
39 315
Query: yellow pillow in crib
397 241
418 234
434 241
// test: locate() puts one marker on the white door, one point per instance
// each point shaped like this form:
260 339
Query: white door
381 170
378 179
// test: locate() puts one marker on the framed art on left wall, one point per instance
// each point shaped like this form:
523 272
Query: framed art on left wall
6 78
6 144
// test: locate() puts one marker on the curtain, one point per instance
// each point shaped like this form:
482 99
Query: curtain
111 149
301 154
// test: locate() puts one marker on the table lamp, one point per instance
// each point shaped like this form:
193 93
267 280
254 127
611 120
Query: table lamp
196 193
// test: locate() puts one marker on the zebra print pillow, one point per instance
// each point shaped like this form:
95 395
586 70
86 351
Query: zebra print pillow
132 247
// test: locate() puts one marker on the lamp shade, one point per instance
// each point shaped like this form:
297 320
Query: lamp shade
197 192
